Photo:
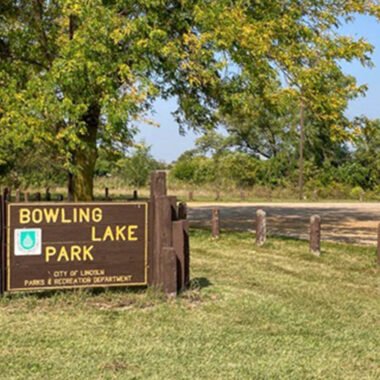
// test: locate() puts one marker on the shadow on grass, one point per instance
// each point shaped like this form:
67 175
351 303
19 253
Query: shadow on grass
195 283
46 294
287 238
200 283
205 231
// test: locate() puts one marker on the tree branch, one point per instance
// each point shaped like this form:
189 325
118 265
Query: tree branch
40 21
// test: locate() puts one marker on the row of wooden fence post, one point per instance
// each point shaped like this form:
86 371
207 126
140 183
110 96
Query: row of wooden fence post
315 232
218 194
107 196
27 196
38 196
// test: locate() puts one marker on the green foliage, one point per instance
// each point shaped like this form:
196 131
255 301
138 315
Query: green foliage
357 193
131 168
368 150
107 161
79 74
240 169
135 168
354 174
194 170
34 167
231 168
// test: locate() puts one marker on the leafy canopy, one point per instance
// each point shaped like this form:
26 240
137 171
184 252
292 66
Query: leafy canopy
66 65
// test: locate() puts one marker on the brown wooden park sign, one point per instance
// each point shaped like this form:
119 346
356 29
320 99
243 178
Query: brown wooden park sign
57 245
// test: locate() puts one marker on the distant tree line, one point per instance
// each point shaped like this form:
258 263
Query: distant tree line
331 169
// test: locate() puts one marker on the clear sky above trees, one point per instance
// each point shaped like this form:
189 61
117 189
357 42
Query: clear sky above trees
172 144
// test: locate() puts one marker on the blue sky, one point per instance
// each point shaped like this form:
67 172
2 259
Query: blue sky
167 144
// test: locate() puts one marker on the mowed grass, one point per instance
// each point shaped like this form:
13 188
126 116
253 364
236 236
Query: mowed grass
253 313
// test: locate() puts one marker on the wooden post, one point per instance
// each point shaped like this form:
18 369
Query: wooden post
158 183
162 224
26 196
315 235
191 196
182 249
174 207
2 241
378 244
169 262
261 227
107 193
70 196
135 195
38 197
186 270
47 195
6 194
182 211
18 195
215 223
163 233
169 271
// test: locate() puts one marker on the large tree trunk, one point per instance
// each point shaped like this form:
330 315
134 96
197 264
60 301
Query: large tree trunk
80 182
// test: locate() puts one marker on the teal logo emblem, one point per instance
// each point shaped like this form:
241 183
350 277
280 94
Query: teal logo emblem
28 242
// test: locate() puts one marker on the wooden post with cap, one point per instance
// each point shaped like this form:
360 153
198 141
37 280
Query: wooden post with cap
215 223
315 235
261 227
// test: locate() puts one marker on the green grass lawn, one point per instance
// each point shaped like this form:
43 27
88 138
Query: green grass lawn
253 313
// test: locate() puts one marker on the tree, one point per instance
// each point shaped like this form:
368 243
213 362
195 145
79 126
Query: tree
34 167
260 119
367 152
107 161
263 120
305 86
194 169
76 75
136 167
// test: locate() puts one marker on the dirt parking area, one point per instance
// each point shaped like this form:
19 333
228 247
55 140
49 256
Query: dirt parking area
341 222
